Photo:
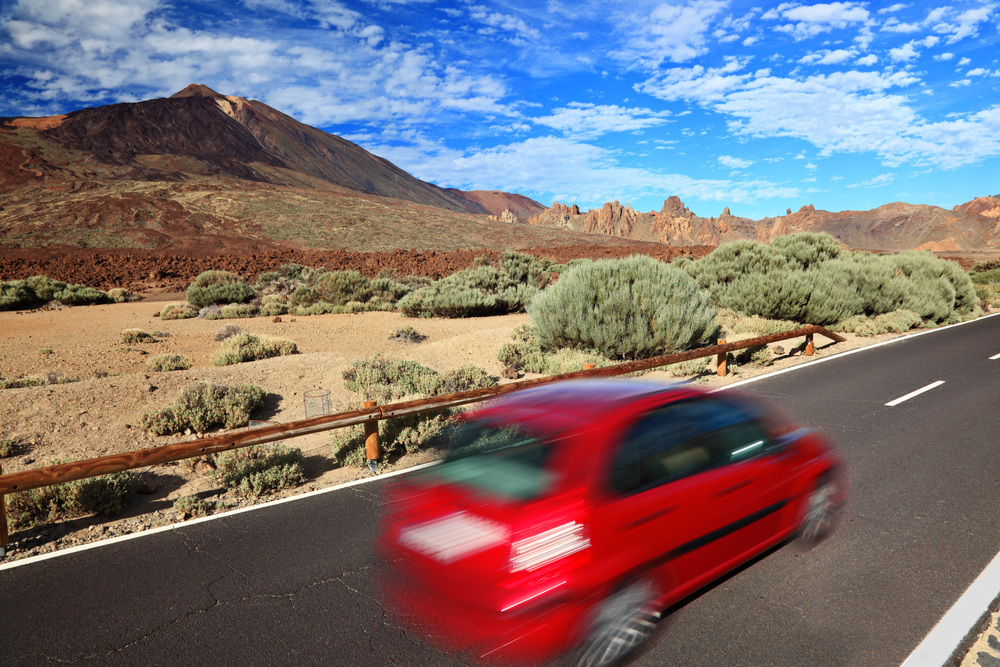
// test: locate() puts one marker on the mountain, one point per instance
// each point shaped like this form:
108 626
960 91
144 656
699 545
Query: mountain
896 226
203 171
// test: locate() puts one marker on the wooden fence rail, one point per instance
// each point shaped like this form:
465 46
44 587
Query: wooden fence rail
76 470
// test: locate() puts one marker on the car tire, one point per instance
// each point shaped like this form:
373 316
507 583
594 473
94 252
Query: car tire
821 511
620 623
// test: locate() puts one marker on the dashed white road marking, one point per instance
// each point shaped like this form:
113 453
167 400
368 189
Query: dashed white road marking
995 357
915 393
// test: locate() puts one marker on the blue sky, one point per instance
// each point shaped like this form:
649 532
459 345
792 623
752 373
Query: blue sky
752 105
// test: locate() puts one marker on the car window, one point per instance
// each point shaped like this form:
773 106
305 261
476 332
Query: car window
681 439
501 461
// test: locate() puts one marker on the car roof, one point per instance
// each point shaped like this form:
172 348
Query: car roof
575 401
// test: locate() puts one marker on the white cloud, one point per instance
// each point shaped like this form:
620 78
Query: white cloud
963 62
868 60
810 166
522 32
963 25
893 25
734 162
827 57
961 83
893 8
879 181
565 170
671 32
979 71
944 56
804 21
906 52
589 120
750 41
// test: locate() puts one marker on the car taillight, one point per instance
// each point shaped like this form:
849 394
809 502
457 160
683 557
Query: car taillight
549 546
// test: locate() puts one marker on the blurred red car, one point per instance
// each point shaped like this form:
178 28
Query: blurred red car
568 516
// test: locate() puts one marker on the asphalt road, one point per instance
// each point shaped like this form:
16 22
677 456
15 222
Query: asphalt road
292 584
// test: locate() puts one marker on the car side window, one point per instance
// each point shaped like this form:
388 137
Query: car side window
682 439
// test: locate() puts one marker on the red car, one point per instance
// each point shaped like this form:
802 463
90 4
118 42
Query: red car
568 516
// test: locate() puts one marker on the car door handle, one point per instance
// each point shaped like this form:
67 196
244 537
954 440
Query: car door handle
736 487
652 516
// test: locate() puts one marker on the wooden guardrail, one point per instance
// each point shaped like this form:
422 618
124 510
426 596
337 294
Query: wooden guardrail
68 472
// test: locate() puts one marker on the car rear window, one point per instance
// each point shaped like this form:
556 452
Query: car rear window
502 461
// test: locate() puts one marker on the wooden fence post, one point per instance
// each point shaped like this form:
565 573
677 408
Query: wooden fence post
4 538
721 359
809 345
373 449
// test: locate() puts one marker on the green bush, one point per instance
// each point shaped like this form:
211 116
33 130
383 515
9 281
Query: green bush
481 290
272 305
251 347
259 469
175 312
736 323
214 287
407 335
385 379
120 295
227 331
899 321
408 434
238 310
9 447
939 286
523 353
335 288
854 283
133 336
22 382
466 378
97 495
287 279
203 406
167 362
630 308
194 506
806 250
39 290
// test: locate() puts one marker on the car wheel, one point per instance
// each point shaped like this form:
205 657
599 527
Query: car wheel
821 511
620 623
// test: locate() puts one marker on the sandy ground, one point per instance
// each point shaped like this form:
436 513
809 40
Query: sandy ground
100 414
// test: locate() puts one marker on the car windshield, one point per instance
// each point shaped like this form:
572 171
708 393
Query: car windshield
501 461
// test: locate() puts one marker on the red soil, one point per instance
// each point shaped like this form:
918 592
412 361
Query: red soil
152 271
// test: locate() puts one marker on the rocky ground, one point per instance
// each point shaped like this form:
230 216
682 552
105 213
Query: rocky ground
100 413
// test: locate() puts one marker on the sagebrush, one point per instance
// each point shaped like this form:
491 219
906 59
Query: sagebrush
203 407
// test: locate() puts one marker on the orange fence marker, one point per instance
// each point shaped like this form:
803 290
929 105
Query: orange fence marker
721 359
809 345
373 449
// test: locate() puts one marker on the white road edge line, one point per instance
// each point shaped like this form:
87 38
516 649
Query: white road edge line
995 357
940 643
151 531
899 400
175 526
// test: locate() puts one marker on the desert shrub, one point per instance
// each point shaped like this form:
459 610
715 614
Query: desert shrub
120 295
227 331
482 289
806 250
631 308
938 286
354 307
132 336
317 308
9 447
899 321
386 293
194 506
990 294
287 279
523 352
203 406
167 362
178 312
854 283
45 351
272 305
690 367
212 287
408 434
237 310
22 382
465 378
259 469
38 290
212 312
335 288
251 347
736 323
384 379
97 495
407 335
